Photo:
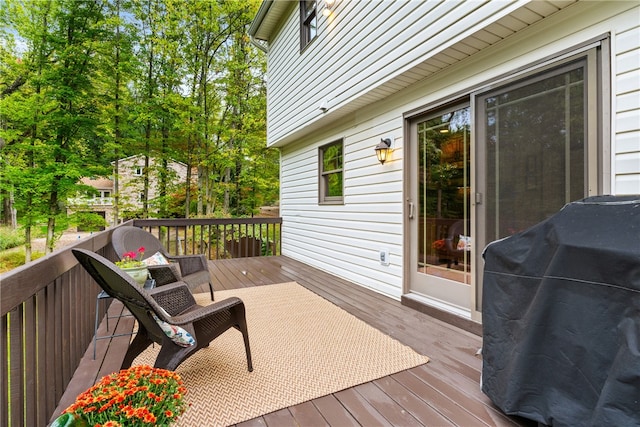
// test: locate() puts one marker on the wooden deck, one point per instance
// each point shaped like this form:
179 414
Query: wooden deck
444 392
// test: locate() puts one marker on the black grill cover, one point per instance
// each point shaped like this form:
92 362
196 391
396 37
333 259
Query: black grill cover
561 317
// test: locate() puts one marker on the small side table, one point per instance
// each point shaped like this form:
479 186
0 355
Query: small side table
103 296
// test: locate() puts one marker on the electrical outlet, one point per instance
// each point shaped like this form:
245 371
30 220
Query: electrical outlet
384 256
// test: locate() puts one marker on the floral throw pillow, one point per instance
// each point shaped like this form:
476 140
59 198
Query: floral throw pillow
156 259
464 244
177 334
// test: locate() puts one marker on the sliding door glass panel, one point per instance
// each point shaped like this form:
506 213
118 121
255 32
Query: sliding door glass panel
444 235
535 151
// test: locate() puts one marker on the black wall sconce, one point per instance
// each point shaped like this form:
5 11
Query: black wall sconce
383 150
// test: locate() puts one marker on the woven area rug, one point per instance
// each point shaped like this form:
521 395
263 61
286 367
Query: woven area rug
303 347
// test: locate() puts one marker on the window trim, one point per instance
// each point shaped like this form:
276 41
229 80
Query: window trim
305 21
323 199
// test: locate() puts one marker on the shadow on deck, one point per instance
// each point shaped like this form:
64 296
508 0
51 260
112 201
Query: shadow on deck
444 392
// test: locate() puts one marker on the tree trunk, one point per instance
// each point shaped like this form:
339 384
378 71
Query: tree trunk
116 171
27 244
51 222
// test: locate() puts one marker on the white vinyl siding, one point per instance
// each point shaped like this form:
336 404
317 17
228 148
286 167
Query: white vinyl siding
345 240
627 109
365 44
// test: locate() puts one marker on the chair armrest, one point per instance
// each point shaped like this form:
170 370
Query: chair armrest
190 263
174 298
201 312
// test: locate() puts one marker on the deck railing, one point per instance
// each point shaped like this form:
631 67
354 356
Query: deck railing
48 307
217 237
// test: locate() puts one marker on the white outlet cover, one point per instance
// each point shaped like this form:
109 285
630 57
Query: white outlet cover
384 256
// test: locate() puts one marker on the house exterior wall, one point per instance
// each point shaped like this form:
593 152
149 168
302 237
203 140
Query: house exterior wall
358 47
626 101
346 239
132 185
101 203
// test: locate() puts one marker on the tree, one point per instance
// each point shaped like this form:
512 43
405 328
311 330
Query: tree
115 100
23 108
76 31
86 83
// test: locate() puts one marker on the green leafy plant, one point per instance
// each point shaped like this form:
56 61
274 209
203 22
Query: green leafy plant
132 259
140 395
10 238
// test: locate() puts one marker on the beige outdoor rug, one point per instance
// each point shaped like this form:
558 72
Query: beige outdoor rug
303 347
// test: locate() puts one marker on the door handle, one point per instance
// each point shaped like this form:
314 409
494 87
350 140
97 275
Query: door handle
410 209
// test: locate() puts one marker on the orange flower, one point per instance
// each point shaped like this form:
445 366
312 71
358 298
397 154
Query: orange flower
128 411
141 392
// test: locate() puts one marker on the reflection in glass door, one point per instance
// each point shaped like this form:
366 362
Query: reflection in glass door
532 151
442 240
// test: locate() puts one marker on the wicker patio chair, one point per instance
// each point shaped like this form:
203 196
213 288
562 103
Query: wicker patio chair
170 306
454 255
190 269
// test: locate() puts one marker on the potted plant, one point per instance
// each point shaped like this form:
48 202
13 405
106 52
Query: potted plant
140 395
134 266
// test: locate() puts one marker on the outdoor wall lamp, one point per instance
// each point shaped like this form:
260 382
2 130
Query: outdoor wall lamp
383 150
328 5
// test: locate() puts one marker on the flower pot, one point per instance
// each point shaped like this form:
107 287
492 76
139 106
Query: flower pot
139 274
69 420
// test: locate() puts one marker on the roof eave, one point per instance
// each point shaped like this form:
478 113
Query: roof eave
257 21
267 22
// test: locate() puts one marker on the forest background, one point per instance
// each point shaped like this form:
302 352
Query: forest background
84 83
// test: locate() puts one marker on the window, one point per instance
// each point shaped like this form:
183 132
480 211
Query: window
308 22
331 161
137 171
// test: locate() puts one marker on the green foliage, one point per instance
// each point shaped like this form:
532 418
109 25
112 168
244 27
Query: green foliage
84 83
89 221
10 238
13 259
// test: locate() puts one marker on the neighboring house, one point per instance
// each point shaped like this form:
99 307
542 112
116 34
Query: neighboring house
131 183
100 203
498 113
131 187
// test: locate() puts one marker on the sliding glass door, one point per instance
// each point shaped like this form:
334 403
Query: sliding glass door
533 150
494 165
441 246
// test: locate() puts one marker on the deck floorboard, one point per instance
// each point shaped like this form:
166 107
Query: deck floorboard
444 392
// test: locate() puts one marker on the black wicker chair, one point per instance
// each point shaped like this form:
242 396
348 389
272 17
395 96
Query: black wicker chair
193 269
173 304
454 255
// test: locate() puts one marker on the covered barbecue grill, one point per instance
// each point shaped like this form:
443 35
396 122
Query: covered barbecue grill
561 317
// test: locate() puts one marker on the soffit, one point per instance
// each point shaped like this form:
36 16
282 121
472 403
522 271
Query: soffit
268 19
493 33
